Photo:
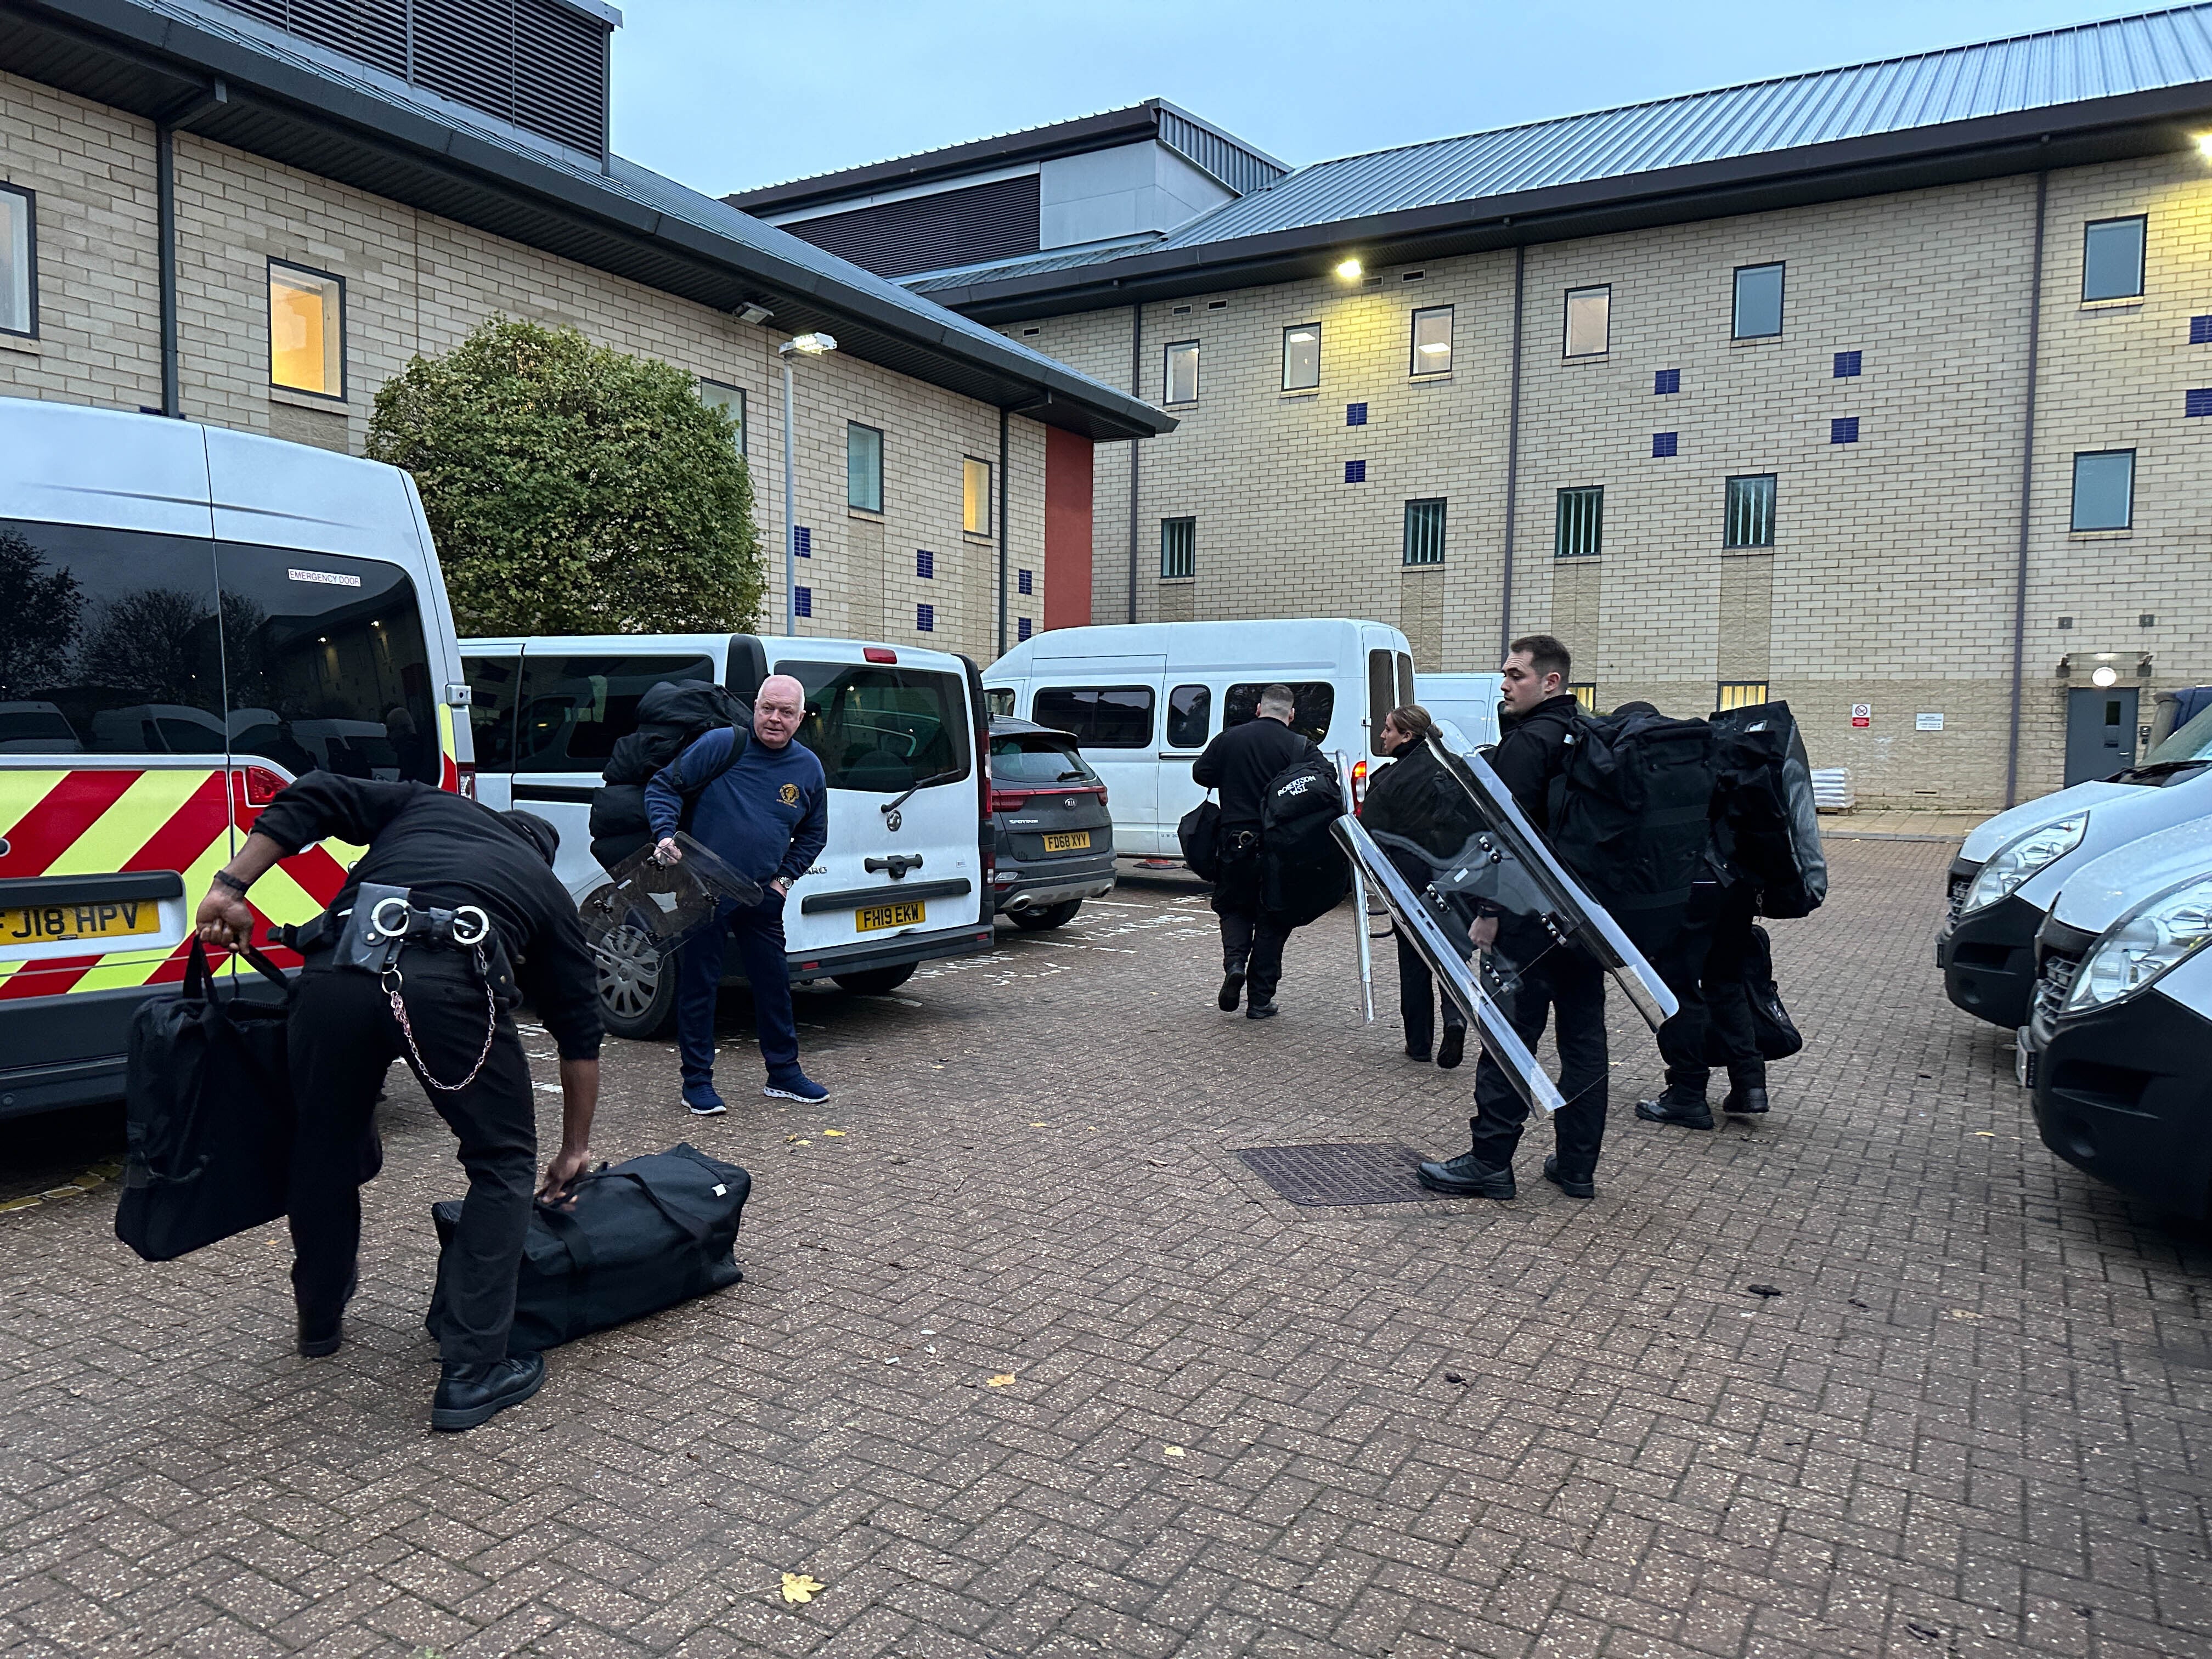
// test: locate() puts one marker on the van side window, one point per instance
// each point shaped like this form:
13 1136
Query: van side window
108 642
1101 717
493 686
326 664
1382 696
1190 711
883 730
574 708
1316 706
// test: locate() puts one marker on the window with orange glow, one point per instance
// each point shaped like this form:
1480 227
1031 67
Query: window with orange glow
306 330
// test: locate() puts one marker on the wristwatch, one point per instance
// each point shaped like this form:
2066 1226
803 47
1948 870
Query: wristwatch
224 879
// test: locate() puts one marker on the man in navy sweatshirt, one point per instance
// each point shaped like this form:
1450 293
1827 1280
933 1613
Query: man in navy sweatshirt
768 815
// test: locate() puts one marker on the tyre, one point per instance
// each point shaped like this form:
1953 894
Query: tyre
637 988
876 981
1053 915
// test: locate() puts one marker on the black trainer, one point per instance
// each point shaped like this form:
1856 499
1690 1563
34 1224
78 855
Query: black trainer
1256 1009
1585 1188
1453 1049
1464 1176
470 1394
1745 1102
1688 1111
1232 987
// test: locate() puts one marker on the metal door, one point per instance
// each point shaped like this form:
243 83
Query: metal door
2100 732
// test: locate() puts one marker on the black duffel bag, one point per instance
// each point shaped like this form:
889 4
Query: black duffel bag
1199 835
637 1237
1772 1027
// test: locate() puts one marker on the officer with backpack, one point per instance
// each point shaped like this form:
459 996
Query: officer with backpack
1241 762
761 805
1536 720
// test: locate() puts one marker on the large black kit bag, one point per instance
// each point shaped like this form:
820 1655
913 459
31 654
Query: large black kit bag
638 1237
207 1114
1772 1027
1199 834
1630 816
1765 824
672 716
1303 872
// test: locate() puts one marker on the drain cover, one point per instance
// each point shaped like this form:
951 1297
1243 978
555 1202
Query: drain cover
1351 1173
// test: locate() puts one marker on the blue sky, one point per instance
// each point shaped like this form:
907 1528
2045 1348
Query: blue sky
725 95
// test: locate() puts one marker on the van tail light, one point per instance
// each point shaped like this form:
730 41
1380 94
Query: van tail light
1358 784
879 654
468 779
258 786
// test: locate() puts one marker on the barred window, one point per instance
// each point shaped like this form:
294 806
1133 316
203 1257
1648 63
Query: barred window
1585 693
1739 694
1579 532
1178 547
1750 512
1424 531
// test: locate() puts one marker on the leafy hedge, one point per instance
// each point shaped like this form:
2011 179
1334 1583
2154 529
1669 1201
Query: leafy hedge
574 489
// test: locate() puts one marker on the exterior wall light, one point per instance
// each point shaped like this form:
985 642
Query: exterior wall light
813 345
1349 271
2104 674
2204 145
805 345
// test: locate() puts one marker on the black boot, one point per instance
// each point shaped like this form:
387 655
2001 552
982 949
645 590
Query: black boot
1465 1177
470 1394
1417 1051
1573 1187
319 1337
1453 1049
1745 1102
1261 1008
1232 987
1677 1106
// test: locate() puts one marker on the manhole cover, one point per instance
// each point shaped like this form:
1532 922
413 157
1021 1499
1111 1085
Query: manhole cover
1342 1174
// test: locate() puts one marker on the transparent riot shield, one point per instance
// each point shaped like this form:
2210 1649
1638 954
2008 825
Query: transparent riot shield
1458 856
650 907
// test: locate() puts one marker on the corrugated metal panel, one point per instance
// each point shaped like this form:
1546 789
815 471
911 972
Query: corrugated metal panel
999 269
928 232
2058 66
1242 169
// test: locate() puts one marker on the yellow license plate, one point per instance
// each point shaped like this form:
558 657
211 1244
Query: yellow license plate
873 917
1075 842
47 924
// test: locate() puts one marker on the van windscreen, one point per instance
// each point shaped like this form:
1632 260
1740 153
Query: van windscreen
883 730
2193 741
327 666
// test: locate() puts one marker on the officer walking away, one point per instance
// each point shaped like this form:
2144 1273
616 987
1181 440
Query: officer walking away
1393 807
1550 978
1240 763
765 812
1715 1012
462 908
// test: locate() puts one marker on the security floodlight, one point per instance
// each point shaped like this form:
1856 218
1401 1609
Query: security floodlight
809 345
753 311
1349 271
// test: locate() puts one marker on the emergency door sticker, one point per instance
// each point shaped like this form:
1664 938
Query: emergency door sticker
326 578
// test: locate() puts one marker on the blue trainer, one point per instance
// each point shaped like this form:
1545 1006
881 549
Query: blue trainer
794 1084
702 1100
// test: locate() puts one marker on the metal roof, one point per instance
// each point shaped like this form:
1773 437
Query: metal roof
2058 98
217 73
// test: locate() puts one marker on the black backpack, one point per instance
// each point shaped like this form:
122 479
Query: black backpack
672 716
1303 873
1765 827
1630 811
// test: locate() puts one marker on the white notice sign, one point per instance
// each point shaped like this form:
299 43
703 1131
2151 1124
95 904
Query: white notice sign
1927 722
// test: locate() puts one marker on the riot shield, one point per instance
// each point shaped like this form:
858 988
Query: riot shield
649 907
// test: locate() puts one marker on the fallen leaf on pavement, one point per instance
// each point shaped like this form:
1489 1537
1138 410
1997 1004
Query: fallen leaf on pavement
1763 1290
798 1587
1001 1379
1175 1451
837 1132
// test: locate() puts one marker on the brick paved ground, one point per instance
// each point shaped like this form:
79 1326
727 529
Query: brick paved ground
1973 1422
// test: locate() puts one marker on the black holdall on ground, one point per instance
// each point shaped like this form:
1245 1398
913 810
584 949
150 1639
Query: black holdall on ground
672 716
1771 1024
1303 873
639 1237
1199 835
1631 814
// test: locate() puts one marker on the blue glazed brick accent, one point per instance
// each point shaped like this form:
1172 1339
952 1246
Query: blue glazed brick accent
925 563
802 601
1845 431
1666 381
802 541
1021 628
925 618
1024 582
1662 445
1355 472
1847 365
2200 331
1355 414
2197 401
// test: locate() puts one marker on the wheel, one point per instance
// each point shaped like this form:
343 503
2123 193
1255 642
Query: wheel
1053 915
876 981
637 989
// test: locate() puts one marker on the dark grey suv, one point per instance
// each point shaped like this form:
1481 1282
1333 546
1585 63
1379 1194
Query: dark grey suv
1054 841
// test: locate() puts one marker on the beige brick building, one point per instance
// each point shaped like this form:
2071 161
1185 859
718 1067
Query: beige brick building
424 212
1922 374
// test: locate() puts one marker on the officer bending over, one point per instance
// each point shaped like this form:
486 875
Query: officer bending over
421 972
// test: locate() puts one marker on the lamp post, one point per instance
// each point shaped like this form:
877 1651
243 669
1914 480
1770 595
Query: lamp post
804 345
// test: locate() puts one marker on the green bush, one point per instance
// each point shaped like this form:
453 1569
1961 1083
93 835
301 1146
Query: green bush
574 489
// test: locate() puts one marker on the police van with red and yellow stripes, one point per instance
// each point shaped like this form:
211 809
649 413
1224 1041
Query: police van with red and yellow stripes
189 618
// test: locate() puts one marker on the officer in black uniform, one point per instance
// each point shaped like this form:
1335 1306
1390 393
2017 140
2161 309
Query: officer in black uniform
1240 763
482 914
1551 979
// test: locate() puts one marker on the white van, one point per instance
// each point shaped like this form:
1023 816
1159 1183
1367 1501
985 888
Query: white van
1466 705
189 618
906 875
1143 698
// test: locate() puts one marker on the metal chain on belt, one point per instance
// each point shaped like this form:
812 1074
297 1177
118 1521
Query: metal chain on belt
393 981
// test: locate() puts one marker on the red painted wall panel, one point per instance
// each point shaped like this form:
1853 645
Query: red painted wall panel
1066 529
